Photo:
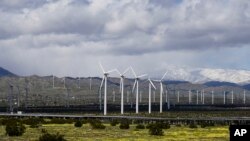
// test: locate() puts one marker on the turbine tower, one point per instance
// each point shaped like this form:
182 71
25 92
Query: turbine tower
122 87
161 90
10 97
136 84
149 94
104 79
244 97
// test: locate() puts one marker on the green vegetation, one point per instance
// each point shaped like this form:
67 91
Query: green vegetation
140 126
114 122
114 133
193 125
51 137
155 129
96 124
124 124
78 123
14 128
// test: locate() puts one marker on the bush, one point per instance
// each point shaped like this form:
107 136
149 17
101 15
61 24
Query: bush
96 124
140 126
155 129
164 125
15 128
178 125
51 137
192 125
124 124
78 123
33 122
206 124
114 122
61 121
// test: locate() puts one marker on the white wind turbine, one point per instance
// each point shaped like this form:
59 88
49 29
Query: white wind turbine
161 90
104 79
149 94
136 84
122 87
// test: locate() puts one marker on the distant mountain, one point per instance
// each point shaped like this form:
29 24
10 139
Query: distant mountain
202 75
246 86
217 84
4 72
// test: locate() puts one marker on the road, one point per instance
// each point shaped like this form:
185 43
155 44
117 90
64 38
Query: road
239 119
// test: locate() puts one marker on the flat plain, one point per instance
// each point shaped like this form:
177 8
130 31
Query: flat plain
114 133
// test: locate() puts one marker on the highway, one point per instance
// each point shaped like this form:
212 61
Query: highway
229 119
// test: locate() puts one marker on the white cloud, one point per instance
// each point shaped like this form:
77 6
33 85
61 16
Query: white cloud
66 33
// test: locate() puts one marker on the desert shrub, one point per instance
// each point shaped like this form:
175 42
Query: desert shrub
84 121
124 124
96 124
206 124
140 126
61 121
155 129
78 123
193 125
51 137
14 128
138 121
33 122
178 125
164 125
114 122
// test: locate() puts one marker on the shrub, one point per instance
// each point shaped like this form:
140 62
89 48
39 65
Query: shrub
78 123
164 125
51 137
61 121
96 124
178 125
140 126
192 125
124 124
114 122
15 128
155 129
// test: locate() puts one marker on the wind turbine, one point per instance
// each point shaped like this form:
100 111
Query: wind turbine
149 94
136 84
161 90
122 87
10 96
104 79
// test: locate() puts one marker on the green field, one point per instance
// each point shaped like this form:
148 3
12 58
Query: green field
114 133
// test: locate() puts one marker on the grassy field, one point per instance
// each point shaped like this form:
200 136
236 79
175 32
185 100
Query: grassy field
114 133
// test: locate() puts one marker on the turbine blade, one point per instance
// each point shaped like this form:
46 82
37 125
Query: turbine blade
134 86
125 71
133 71
152 83
111 70
101 83
142 75
118 72
164 75
100 64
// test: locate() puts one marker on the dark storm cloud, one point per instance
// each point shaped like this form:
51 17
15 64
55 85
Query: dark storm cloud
84 29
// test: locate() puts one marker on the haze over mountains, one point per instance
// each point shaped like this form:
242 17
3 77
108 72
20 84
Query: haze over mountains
197 75
202 75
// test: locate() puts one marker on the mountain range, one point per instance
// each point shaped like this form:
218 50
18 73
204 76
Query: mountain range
205 76
4 72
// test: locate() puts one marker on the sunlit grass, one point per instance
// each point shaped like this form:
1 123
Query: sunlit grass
114 133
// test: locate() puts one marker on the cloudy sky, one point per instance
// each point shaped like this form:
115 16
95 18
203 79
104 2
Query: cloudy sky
70 37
